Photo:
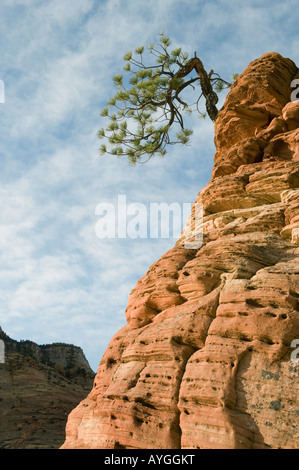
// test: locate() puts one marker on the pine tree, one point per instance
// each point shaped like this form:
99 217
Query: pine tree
149 103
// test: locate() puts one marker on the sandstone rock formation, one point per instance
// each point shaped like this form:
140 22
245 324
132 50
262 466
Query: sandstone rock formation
204 360
39 386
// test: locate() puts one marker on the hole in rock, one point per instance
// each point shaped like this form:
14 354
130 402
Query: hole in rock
111 362
267 340
144 403
259 158
138 421
270 314
253 303
177 339
244 338
117 445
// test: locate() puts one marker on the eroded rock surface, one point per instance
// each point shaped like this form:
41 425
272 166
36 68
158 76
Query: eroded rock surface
204 360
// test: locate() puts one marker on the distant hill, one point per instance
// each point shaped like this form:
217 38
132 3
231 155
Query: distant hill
39 386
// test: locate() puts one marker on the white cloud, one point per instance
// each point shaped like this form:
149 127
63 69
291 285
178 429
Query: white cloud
59 281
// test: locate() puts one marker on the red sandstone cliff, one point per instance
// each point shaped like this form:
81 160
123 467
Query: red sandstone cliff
204 360
39 386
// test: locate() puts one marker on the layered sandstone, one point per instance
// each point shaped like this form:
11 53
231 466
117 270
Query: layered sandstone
204 360
39 386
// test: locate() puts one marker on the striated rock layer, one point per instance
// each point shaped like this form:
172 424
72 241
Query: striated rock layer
205 358
39 386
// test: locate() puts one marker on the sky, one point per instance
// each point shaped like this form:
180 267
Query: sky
60 282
